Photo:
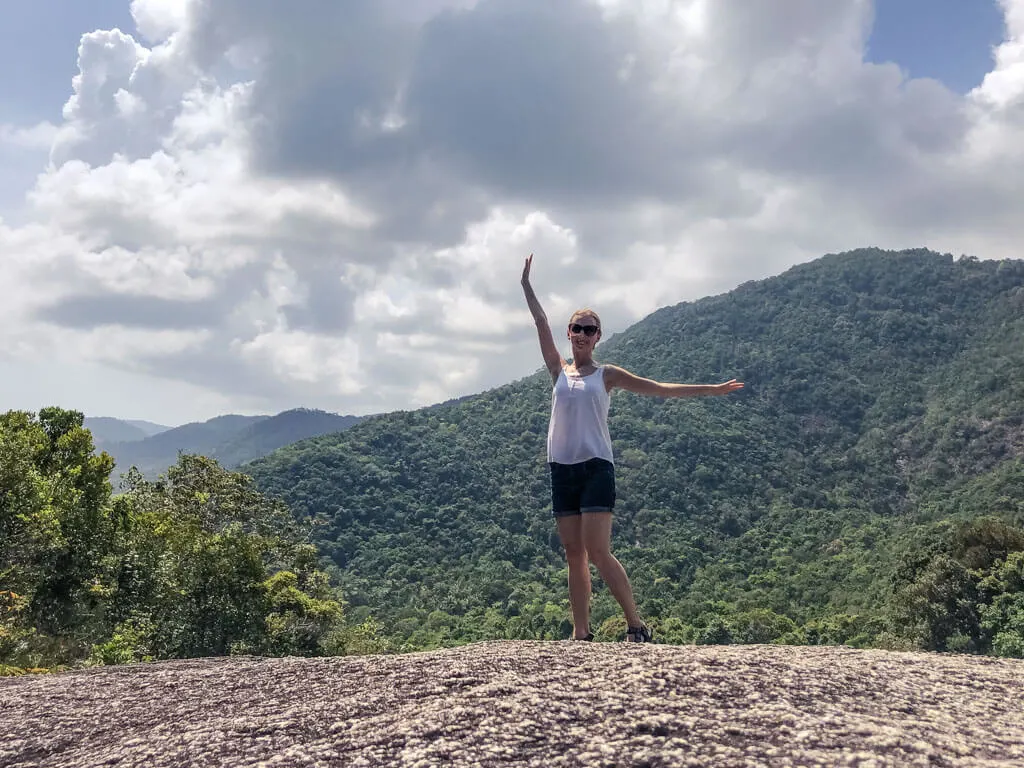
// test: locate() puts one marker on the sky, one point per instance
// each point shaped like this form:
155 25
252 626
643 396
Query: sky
247 206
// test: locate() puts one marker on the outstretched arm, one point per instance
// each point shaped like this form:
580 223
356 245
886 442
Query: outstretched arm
552 359
620 377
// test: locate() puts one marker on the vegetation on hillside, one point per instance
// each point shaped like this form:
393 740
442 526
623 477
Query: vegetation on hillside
866 487
231 440
196 564
106 430
878 402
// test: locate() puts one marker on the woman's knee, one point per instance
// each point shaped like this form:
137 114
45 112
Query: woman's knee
601 557
576 557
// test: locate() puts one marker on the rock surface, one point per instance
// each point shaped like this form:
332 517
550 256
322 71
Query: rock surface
527 703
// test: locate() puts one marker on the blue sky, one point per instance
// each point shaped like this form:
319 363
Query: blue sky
949 40
39 42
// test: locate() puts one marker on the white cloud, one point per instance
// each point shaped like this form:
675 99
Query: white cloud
39 136
282 204
998 103
304 358
157 20
1003 87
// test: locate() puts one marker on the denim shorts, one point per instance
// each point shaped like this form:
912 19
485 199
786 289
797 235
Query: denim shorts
585 487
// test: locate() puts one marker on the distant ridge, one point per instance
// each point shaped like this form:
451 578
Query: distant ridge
148 426
106 429
232 439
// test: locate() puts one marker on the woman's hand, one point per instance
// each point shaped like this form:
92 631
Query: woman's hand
730 386
526 270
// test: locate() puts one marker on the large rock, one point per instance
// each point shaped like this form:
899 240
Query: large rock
527 703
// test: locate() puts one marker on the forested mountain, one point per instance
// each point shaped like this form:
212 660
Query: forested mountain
231 439
268 435
106 430
883 405
149 428
866 487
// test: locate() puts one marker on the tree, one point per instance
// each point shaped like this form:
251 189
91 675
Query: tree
967 594
56 527
211 566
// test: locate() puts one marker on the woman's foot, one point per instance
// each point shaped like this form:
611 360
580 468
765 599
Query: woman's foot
641 634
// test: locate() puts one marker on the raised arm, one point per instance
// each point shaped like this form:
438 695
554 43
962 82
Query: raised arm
620 377
552 359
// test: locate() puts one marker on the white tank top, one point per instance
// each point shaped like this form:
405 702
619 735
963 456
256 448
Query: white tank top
578 429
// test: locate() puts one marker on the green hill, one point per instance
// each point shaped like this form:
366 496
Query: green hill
154 454
287 427
106 430
231 439
882 395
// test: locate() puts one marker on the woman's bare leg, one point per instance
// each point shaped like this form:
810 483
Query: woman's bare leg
597 535
570 530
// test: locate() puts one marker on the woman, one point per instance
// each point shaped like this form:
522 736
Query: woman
581 461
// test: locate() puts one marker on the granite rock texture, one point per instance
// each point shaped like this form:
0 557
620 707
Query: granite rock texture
527 704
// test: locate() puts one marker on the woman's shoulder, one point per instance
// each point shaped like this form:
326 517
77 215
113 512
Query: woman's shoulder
608 368
613 374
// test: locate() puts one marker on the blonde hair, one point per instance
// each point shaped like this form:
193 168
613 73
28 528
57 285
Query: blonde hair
582 312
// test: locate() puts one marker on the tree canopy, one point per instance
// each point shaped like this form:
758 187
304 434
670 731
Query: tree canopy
197 563
865 487
879 400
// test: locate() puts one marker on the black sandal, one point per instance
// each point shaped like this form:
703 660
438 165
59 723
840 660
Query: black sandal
641 634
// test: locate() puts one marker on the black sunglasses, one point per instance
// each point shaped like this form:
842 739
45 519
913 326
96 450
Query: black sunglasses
589 330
